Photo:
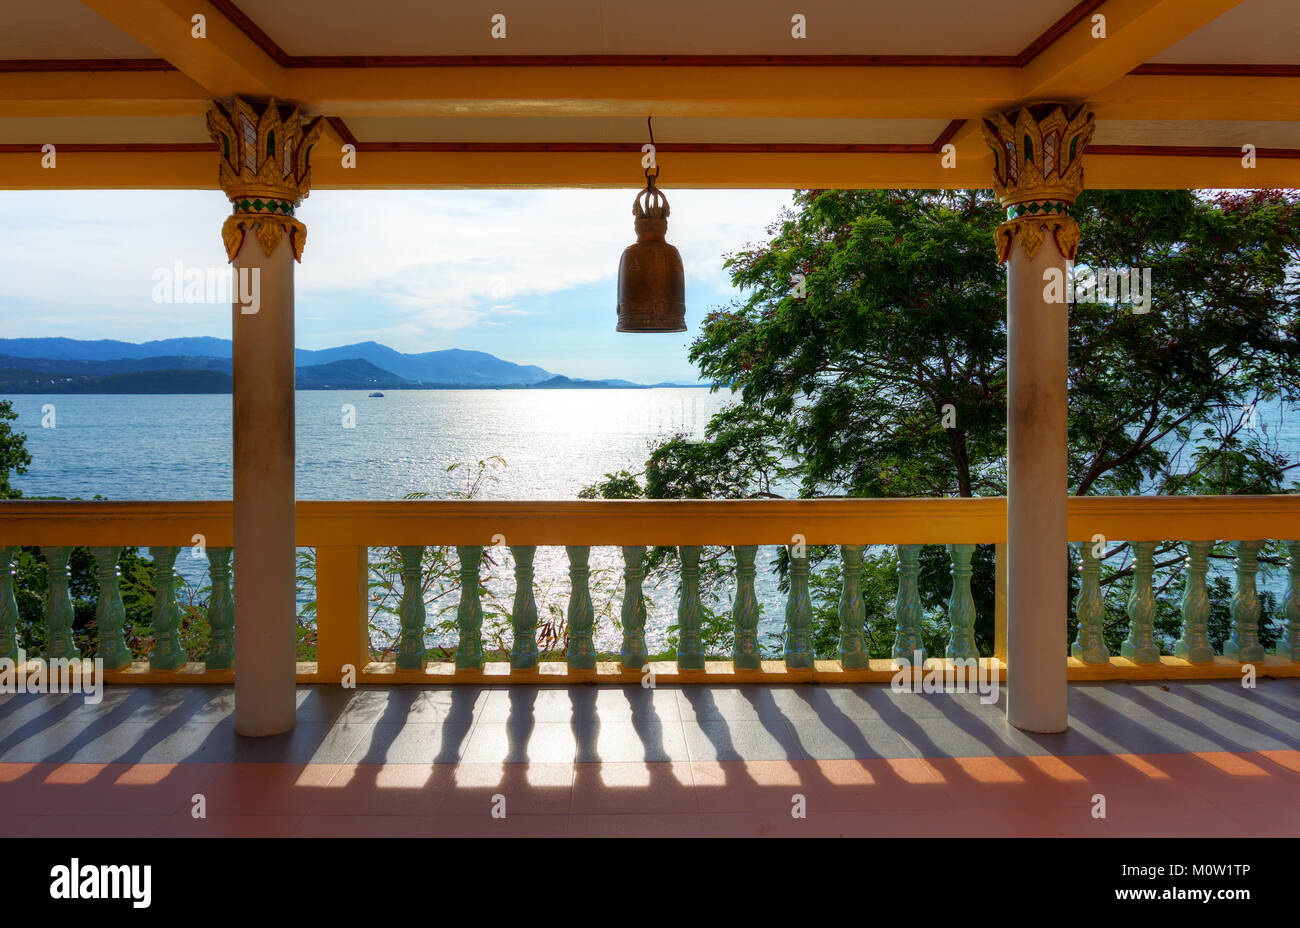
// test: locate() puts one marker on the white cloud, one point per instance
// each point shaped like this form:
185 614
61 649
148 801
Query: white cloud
425 264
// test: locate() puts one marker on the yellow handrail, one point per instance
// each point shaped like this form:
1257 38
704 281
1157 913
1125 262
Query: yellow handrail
649 522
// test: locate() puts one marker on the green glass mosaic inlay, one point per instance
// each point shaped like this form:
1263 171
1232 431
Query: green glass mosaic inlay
1037 208
259 205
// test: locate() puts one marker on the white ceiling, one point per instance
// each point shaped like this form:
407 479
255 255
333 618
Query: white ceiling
1207 132
665 27
62 29
1256 32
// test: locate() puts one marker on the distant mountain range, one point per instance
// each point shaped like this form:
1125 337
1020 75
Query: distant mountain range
203 365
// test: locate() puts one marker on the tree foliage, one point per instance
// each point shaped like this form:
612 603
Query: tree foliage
884 374
14 456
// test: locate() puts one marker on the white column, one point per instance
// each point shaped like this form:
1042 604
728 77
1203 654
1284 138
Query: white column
1037 569
265 607
263 168
1037 174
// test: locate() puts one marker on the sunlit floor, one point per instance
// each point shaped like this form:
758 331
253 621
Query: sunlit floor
1208 758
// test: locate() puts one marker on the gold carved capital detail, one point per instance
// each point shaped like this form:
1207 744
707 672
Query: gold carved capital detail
1033 231
1038 151
264 169
268 229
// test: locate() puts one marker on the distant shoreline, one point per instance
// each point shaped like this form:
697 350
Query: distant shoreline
181 366
79 389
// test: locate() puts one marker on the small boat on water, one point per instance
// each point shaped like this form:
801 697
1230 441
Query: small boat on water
376 393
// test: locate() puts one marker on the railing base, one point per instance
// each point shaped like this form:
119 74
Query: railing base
715 673
1175 668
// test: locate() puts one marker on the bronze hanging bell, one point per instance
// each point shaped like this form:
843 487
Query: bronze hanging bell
651 283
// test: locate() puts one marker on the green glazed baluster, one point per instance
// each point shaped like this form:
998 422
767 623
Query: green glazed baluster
907 607
469 614
8 604
1140 645
58 606
1245 645
1090 609
1194 645
523 619
410 646
853 611
690 649
633 654
744 611
581 654
961 607
167 651
1289 645
110 614
221 612
798 616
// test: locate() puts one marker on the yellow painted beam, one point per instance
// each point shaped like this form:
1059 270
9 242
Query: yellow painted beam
665 90
1078 64
225 62
861 93
701 170
101 93
111 170
1196 97
650 522
737 170
1184 172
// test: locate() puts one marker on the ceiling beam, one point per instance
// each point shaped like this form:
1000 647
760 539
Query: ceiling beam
641 90
225 62
1200 97
1152 169
844 93
101 93
1078 65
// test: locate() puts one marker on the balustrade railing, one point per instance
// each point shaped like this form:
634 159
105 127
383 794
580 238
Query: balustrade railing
343 532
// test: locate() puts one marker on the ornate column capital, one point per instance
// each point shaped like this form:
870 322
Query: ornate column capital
1038 172
263 170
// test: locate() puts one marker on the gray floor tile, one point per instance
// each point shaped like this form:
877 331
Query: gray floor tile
626 742
635 724
415 742
309 742
541 742
725 740
739 704
845 739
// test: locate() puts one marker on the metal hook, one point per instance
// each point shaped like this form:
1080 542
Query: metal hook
650 178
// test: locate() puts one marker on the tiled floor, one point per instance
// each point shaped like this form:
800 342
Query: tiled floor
1170 759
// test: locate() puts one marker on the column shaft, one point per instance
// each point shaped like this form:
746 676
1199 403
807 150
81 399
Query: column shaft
1037 565
1037 174
264 148
265 609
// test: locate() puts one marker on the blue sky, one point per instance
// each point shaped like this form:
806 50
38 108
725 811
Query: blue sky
527 275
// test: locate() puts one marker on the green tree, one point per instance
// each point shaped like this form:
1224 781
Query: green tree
13 452
886 376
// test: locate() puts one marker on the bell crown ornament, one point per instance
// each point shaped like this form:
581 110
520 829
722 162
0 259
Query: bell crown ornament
651 280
